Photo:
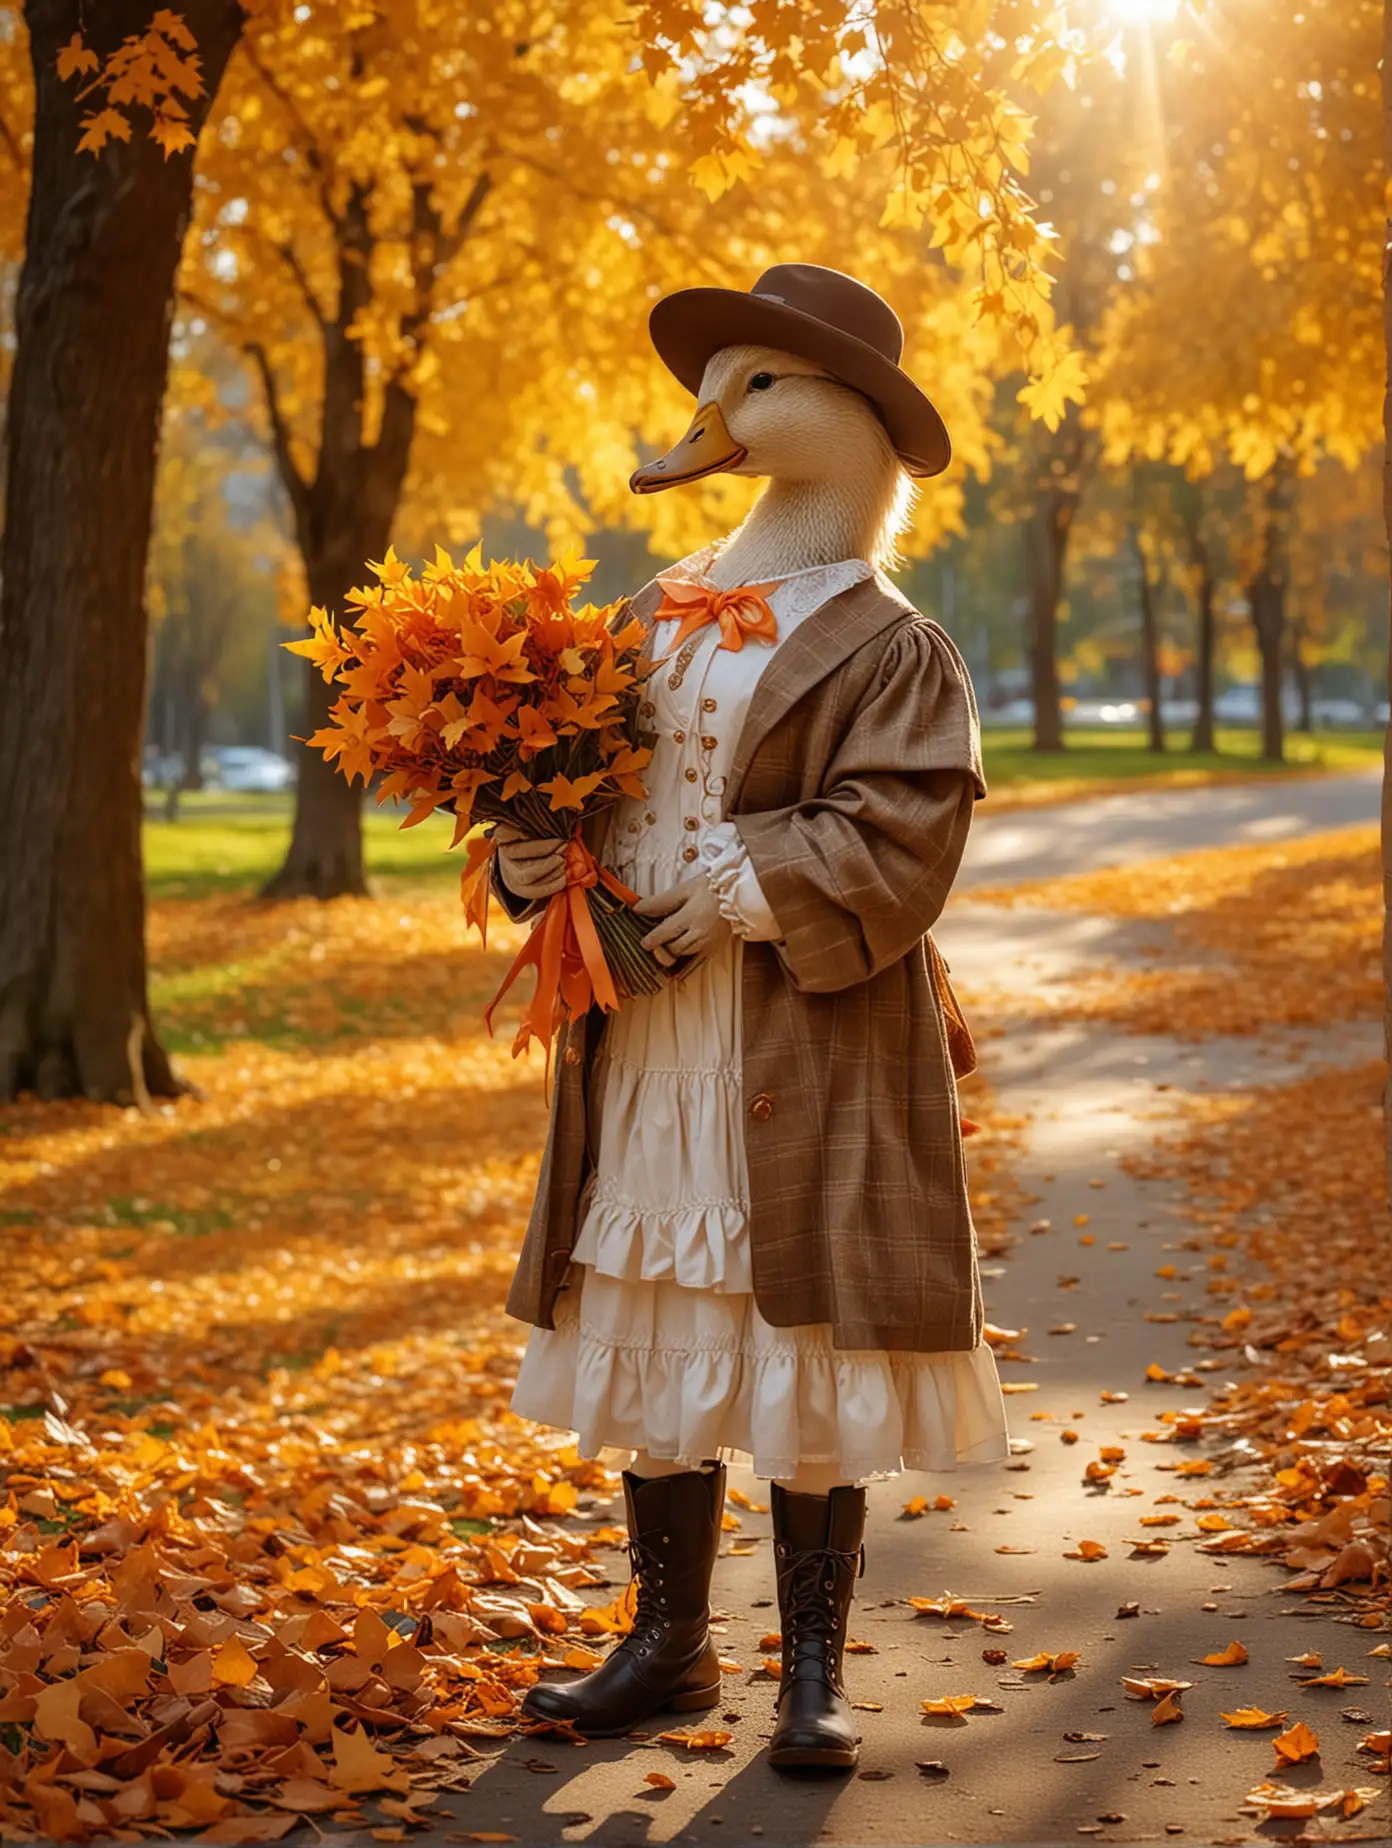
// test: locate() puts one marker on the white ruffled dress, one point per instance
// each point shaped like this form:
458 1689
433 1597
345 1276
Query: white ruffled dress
658 1344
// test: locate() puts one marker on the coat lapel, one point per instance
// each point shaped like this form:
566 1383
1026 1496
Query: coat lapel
819 644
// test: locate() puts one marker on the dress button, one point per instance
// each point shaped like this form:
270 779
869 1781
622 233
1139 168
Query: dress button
572 1055
708 705
647 709
650 818
680 737
708 743
691 823
689 853
761 1108
691 776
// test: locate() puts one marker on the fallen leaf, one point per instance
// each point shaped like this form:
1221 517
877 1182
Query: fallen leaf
1298 1744
1152 1687
952 1704
660 1780
1089 1550
1166 1710
1054 1664
1252 1719
1232 1657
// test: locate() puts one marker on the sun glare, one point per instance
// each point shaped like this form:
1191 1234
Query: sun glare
1142 12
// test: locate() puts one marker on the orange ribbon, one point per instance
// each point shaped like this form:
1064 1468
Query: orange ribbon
572 973
741 612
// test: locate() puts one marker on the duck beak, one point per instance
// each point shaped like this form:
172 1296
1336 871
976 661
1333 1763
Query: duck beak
706 449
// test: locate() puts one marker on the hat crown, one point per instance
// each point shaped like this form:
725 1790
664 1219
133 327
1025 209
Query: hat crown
838 301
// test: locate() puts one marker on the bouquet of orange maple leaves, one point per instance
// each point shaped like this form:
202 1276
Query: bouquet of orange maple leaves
483 691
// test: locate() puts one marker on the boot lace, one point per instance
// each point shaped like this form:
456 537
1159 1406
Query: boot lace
650 1609
807 1588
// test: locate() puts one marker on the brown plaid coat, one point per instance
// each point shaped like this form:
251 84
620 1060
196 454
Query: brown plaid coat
853 786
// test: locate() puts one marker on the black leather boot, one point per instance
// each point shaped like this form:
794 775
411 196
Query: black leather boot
818 1548
667 1661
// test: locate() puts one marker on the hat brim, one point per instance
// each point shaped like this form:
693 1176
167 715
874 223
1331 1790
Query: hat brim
690 327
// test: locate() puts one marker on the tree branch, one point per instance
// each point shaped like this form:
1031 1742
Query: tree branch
295 484
287 255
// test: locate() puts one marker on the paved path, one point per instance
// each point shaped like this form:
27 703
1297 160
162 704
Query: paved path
1077 837
1014 1775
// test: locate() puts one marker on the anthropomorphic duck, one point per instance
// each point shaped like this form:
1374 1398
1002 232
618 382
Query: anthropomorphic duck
751 1234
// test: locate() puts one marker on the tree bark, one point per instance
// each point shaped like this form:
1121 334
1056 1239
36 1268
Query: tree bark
1205 638
102 244
1266 594
1046 554
1150 646
1304 688
1386 80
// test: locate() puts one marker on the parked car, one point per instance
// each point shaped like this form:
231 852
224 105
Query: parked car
1013 712
1338 712
1177 712
246 767
1238 706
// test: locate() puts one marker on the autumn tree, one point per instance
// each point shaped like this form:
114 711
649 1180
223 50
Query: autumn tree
1270 196
389 125
102 242
402 225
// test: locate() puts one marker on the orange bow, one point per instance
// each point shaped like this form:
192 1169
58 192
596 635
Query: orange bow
564 947
741 612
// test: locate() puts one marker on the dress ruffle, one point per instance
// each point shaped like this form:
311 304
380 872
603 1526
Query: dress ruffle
696 1243
686 1374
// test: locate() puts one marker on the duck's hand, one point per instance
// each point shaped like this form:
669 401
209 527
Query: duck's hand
531 869
692 923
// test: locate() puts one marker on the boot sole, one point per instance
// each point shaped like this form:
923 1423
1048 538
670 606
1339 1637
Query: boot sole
695 1700
813 1758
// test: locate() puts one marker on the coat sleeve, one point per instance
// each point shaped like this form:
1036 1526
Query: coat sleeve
857 875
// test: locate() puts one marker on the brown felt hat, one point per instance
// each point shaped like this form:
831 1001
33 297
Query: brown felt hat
820 315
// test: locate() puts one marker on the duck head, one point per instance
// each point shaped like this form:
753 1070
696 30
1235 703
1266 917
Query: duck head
767 413
836 488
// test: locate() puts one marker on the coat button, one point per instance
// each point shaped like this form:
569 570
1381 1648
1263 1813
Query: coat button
690 853
691 824
679 737
691 776
761 1107
572 1055
708 705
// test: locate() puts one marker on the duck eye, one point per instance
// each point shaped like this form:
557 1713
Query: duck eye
761 381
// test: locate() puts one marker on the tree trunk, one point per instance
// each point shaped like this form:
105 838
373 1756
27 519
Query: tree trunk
344 516
1205 643
1304 683
195 728
1150 646
1386 78
325 856
102 245
1046 553
1266 593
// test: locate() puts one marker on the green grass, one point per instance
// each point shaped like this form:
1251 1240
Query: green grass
1105 755
232 843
